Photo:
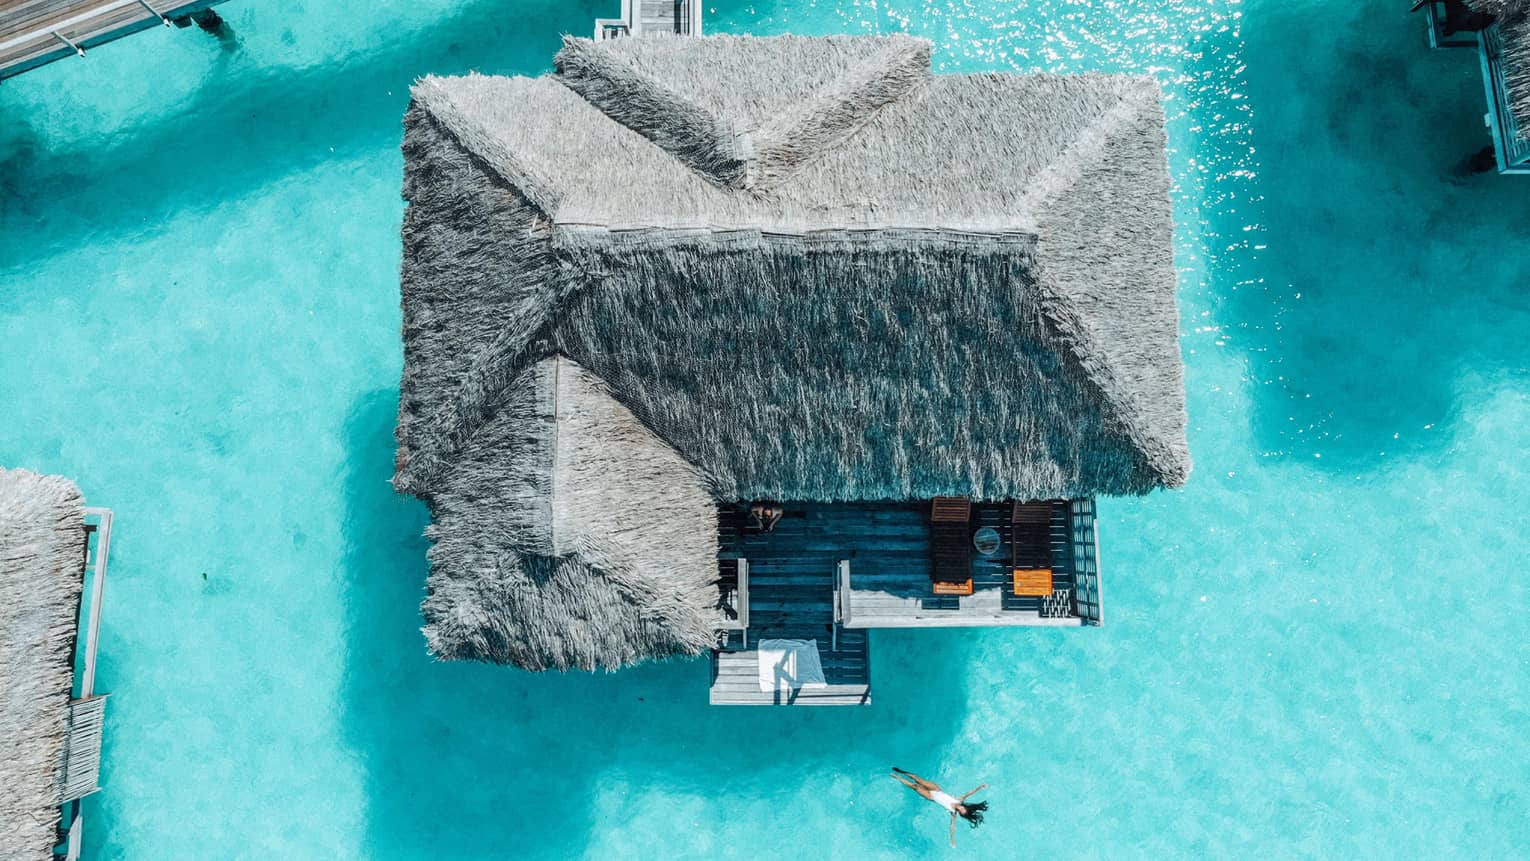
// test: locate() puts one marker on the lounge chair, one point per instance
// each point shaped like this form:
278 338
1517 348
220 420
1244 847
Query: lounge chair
951 545
1031 548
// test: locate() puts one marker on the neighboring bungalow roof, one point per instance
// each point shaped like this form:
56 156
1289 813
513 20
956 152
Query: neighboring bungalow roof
1514 33
42 535
806 266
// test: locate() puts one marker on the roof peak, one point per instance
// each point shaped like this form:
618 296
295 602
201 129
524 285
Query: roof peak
734 152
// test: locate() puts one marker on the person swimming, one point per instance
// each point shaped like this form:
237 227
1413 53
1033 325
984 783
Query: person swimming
973 812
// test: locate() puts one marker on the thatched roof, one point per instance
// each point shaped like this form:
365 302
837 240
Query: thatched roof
805 267
41 570
1514 35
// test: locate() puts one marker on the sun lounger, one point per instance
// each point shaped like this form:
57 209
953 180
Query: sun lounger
951 545
1031 548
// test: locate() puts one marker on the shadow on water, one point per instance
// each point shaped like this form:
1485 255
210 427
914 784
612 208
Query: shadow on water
1386 264
244 125
460 759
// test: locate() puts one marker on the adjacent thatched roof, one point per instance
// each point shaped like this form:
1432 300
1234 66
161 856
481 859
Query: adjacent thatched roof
1514 35
805 267
41 569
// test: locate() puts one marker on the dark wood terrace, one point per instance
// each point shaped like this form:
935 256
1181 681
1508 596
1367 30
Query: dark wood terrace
830 571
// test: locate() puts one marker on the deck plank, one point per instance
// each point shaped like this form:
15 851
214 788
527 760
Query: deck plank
26 26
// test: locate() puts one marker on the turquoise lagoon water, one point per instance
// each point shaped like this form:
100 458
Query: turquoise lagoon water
1317 649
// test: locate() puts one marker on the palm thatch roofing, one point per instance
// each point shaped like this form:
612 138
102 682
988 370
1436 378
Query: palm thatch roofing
42 535
687 270
1514 33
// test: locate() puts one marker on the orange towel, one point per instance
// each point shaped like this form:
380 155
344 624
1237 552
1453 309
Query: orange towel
1033 582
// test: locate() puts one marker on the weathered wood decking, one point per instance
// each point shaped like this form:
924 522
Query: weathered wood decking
886 581
736 681
35 32
830 571
790 598
887 546
652 17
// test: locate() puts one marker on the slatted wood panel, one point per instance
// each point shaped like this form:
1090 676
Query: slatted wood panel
736 678
81 774
1088 594
26 26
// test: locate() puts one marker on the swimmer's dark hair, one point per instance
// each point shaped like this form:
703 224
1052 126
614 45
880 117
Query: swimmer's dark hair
973 812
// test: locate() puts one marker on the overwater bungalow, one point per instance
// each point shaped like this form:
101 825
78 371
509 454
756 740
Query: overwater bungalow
50 715
750 346
1499 31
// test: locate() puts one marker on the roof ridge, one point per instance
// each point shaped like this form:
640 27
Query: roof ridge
471 135
712 145
1067 318
700 139
1059 175
794 137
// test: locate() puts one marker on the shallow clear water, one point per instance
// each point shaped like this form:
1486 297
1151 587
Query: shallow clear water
1318 648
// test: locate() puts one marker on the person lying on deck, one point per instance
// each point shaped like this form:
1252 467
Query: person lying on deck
973 812
765 515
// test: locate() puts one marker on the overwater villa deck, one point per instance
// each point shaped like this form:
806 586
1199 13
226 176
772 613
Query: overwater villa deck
830 571
1499 79
651 17
37 32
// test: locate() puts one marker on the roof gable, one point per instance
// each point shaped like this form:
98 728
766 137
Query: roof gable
568 515
748 152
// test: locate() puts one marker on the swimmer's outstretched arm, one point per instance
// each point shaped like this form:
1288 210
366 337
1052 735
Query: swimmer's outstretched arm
973 792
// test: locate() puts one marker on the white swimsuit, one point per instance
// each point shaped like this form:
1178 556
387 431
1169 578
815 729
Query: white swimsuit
944 799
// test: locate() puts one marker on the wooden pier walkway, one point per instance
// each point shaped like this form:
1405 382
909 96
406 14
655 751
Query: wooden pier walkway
37 32
652 17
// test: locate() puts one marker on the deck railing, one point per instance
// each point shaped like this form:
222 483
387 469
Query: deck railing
740 603
611 28
1084 535
81 772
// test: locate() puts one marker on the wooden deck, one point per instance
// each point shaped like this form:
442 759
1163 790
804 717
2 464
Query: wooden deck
1511 147
36 32
736 680
887 548
789 598
885 583
830 571
652 17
